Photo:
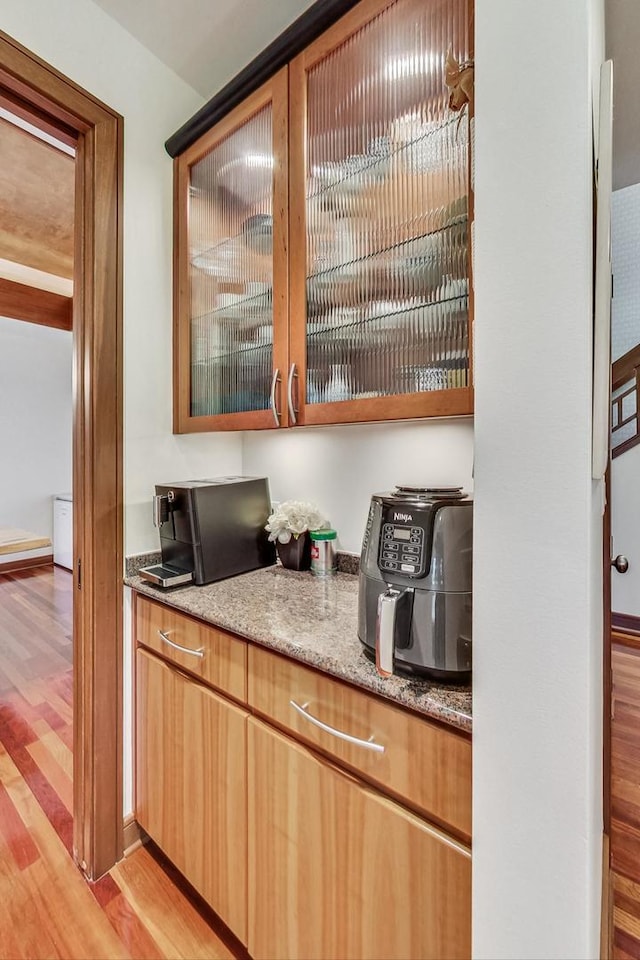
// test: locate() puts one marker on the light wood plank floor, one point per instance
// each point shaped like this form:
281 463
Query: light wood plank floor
625 801
47 909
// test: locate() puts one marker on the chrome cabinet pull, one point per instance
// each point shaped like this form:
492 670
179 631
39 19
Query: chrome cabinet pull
274 384
292 409
367 744
176 646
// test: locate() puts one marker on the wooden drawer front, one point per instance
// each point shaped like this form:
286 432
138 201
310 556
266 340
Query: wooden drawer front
210 654
338 871
422 762
191 795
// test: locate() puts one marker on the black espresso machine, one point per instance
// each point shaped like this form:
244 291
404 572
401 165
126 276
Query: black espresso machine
414 600
210 530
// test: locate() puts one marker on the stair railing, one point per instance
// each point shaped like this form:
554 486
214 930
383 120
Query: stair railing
625 386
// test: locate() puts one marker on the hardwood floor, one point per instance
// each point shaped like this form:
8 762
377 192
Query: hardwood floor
47 909
625 800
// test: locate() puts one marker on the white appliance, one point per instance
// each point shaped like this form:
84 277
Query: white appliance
63 530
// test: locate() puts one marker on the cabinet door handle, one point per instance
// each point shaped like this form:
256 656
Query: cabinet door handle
367 744
176 646
292 409
272 400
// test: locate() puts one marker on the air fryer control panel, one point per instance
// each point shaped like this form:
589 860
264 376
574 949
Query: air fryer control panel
402 548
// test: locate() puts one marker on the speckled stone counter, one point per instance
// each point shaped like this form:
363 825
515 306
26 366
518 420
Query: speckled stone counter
313 620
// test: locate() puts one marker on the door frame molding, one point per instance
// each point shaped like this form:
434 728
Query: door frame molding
97 445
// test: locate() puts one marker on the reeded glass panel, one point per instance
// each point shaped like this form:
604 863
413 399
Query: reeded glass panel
387 275
231 271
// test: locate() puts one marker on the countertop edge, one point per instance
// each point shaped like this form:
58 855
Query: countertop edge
427 706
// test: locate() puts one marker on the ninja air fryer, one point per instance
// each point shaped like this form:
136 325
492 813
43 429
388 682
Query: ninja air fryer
414 603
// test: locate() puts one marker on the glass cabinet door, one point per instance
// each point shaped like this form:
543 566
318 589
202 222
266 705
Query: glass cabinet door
231 289
379 191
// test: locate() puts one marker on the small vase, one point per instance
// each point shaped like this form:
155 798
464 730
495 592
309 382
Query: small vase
296 555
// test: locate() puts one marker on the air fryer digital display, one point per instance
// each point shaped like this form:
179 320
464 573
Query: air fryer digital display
401 533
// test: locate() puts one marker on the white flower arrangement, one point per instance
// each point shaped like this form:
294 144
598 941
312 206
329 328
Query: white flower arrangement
292 518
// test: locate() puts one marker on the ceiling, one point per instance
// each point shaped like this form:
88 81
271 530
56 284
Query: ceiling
37 188
623 46
207 42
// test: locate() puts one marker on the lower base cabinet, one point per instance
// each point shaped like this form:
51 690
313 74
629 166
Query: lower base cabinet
300 858
338 871
191 790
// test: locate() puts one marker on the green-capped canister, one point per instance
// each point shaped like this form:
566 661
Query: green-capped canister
323 552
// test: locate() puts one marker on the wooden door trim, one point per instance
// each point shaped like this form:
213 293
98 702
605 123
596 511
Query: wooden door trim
97 446
606 917
607 676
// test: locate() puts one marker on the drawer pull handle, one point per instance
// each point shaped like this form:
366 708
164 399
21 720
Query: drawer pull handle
176 646
367 744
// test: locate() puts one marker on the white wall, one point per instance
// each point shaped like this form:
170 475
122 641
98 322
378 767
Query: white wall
625 247
339 467
35 423
625 529
537 571
79 39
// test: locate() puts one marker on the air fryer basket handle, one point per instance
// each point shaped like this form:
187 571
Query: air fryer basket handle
385 630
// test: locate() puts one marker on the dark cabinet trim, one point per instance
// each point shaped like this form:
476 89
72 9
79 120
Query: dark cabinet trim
314 21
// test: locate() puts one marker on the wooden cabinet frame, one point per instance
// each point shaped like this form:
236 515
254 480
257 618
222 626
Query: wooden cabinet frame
324 824
275 91
288 92
191 782
444 403
339 853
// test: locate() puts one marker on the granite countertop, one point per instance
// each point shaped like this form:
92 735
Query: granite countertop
313 620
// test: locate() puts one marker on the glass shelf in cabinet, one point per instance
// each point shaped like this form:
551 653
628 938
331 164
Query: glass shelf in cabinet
341 300
351 174
417 249
235 382
383 348
258 306
420 352
383 321
240 254
246 351
230 403
428 378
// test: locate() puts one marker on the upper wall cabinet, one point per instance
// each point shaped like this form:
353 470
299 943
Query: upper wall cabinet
322 272
231 269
